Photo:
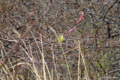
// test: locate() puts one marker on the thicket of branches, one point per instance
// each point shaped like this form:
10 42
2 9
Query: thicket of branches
28 50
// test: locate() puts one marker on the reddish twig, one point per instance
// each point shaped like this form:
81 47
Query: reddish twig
75 25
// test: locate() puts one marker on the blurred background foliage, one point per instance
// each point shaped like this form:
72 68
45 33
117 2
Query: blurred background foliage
98 33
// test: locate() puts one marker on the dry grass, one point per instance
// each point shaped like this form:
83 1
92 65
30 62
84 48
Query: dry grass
89 52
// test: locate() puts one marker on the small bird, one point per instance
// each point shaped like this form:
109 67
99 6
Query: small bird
60 37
